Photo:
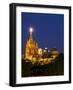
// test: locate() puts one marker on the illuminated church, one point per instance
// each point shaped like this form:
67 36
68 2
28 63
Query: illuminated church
35 54
31 46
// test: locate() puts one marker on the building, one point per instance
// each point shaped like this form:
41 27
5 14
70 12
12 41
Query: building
31 46
35 54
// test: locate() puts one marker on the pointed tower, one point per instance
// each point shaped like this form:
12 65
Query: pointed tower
31 46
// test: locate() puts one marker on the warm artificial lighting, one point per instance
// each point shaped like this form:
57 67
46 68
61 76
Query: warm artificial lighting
48 50
44 50
40 51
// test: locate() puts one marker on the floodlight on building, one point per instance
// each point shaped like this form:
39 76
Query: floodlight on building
40 51
44 51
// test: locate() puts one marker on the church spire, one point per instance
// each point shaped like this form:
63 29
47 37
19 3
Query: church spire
31 30
31 46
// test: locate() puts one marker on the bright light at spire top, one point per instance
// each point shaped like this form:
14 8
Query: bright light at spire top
31 29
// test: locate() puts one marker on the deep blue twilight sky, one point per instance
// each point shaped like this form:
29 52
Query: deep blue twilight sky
48 30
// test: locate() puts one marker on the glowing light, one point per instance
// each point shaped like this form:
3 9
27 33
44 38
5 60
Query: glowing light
40 51
45 48
31 29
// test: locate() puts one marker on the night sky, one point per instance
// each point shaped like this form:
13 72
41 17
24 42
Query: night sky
48 30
